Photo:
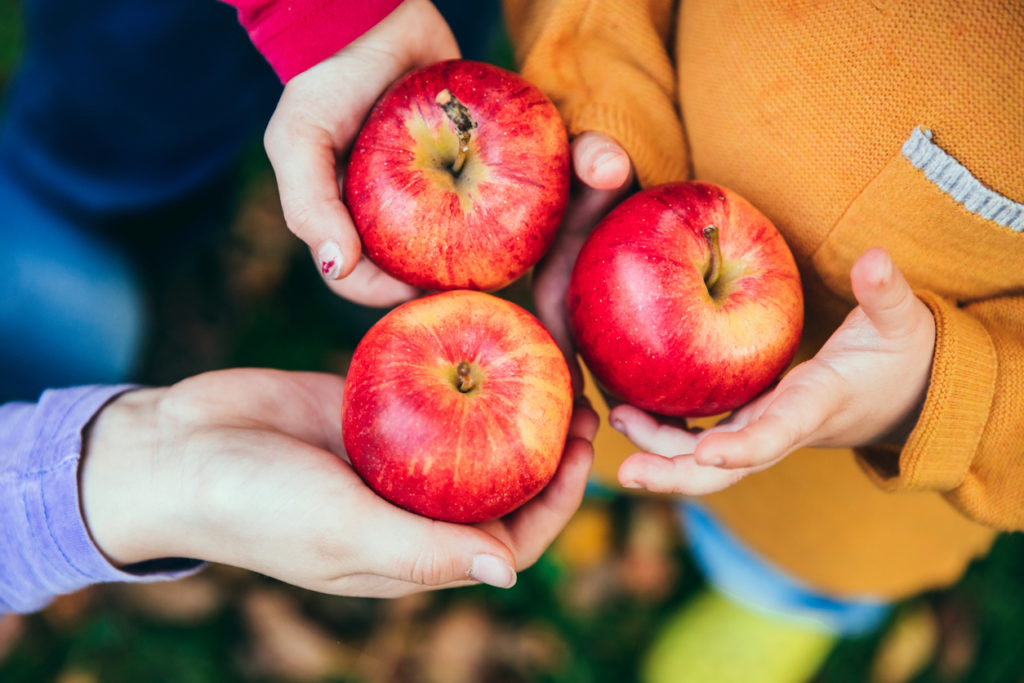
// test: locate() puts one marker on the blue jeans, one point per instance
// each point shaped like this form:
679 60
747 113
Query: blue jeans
121 115
120 140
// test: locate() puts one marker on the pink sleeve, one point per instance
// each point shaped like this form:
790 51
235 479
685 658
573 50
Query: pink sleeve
293 35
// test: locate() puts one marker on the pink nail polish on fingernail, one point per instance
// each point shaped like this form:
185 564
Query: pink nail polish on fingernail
329 256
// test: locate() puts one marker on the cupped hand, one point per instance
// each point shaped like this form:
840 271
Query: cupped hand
245 467
604 175
316 121
865 385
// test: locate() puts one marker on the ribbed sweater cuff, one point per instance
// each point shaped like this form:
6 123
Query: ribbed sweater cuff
294 36
44 542
942 445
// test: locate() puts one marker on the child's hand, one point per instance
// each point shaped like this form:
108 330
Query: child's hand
245 467
605 174
316 121
865 385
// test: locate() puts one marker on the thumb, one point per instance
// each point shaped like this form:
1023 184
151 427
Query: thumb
882 291
438 554
600 161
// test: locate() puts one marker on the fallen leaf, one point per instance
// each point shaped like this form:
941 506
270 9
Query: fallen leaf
907 646
458 646
12 626
287 644
187 600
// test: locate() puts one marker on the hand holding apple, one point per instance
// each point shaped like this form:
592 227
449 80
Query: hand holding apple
686 301
457 406
246 467
605 174
459 177
866 384
314 124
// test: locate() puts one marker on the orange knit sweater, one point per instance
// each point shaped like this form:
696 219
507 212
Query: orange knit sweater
851 125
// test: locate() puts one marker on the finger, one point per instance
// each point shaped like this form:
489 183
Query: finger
792 419
550 284
662 436
882 292
680 474
585 421
532 528
303 157
432 554
600 161
368 285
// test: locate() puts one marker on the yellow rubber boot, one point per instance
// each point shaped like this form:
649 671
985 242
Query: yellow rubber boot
716 640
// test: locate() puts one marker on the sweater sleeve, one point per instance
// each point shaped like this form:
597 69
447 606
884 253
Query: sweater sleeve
293 35
45 546
969 441
606 66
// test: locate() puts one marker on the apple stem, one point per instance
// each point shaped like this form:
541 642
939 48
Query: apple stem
465 383
715 267
458 114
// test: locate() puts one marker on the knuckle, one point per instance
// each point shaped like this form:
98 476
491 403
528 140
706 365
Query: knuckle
429 569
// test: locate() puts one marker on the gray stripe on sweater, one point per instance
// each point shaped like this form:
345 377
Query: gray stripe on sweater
952 178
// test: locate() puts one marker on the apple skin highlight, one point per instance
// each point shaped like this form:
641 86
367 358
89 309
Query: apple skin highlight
447 449
479 227
646 322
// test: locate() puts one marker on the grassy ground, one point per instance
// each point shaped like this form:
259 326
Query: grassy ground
250 296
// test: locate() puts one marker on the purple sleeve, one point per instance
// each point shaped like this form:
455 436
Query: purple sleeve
45 547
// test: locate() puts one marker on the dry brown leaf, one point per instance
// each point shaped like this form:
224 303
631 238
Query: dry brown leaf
540 648
12 626
588 590
259 258
187 600
68 610
959 641
76 675
458 646
648 567
287 644
907 647
387 651
647 575
653 527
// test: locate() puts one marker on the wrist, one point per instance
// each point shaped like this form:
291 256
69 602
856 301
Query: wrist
119 486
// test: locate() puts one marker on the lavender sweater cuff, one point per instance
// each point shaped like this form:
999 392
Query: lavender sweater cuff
45 547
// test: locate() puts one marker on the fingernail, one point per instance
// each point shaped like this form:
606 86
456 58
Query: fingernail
603 159
618 426
631 485
329 257
717 462
493 571
887 272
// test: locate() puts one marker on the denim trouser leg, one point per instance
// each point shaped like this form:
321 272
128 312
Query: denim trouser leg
117 111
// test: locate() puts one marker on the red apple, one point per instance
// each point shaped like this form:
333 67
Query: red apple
686 301
459 177
457 406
